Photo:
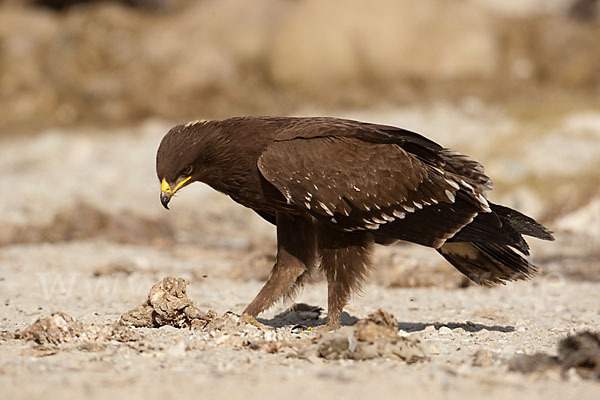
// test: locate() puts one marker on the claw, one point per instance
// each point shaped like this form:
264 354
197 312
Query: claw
249 319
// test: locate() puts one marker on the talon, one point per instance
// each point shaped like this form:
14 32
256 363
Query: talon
249 319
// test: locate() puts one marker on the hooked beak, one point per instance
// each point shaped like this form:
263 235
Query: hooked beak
164 199
166 192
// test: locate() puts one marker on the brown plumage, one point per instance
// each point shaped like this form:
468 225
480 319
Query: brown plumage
336 187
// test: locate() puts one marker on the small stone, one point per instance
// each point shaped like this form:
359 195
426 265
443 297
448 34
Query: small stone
444 330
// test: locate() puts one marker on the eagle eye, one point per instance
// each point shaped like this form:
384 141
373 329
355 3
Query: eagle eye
186 171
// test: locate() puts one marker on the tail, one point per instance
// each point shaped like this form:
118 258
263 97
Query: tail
484 249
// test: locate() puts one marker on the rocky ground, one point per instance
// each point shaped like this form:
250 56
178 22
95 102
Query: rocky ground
83 234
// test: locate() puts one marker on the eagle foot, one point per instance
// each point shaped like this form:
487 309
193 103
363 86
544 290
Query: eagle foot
249 319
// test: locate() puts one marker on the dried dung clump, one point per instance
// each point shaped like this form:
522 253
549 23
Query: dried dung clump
59 327
373 337
580 351
168 304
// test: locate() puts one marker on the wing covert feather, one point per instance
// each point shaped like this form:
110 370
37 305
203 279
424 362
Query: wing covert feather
356 185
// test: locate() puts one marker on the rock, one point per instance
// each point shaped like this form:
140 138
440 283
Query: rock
59 327
228 322
201 323
55 328
139 317
168 304
444 330
373 337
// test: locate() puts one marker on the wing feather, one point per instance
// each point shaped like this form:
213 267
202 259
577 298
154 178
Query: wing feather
354 185
469 170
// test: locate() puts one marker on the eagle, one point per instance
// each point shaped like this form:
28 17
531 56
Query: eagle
336 187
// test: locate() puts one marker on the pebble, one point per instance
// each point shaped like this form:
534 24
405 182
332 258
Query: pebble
444 330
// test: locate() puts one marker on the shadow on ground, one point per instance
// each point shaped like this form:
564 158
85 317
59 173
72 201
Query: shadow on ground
304 315
467 326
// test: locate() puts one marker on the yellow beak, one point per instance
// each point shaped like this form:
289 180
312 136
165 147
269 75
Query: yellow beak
166 192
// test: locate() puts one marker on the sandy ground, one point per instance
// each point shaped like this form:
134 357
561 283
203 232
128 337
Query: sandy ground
83 232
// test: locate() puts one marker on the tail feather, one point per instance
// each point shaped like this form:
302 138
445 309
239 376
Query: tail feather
521 222
487 264
502 226
485 252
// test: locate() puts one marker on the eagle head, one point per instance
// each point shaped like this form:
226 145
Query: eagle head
177 159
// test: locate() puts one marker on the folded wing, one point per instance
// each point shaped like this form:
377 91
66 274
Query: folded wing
356 185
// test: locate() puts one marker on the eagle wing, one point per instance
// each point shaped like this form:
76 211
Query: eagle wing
418 145
452 161
356 185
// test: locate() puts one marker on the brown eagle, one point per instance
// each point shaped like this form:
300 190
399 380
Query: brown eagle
335 187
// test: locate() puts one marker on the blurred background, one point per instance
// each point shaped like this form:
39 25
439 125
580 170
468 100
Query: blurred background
88 88
110 63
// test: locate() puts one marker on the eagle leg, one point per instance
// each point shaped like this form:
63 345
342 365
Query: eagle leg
296 257
345 260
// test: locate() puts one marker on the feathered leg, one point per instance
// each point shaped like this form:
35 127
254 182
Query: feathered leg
296 254
345 260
